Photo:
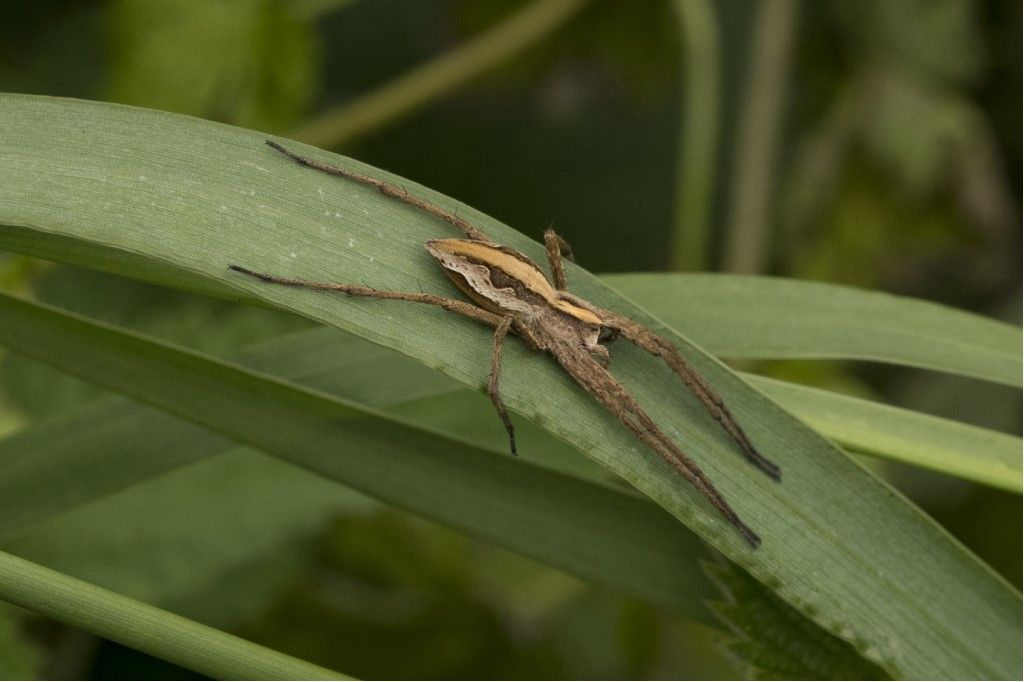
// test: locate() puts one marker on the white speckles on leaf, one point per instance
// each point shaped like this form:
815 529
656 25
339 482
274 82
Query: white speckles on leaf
254 165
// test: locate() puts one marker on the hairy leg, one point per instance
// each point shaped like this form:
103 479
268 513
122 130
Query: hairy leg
492 381
600 353
502 325
454 305
617 400
617 324
387 189
698 385
557 249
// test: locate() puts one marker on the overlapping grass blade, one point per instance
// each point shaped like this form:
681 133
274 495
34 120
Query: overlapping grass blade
59 464
870 428
216 541
583 528
743 316
94 450
192 197
146 628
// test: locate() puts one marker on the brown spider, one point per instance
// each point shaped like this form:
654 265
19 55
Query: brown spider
511 293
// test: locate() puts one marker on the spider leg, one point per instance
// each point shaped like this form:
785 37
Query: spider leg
616 399
501 324
389 190
492 380
708 397
451 304
557 249
601 354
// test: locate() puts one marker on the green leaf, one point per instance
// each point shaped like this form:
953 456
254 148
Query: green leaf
774 641
63 462
609 536
247 530
214 326
78 456
740 316
174 199
870 428
145 627
208 325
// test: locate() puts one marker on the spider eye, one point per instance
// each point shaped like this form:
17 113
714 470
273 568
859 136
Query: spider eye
607 334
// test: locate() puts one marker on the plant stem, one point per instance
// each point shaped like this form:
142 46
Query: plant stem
698 134
756 152
439 76
146 628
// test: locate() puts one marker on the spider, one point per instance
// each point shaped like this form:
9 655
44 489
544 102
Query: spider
510 293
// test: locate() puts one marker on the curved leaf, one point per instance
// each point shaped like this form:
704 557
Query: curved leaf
93 450
60 463
743 316
906 436
248 531
611 537
146 628
839 545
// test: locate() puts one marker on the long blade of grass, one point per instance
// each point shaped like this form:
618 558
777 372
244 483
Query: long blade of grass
147 628
739 316
61 463
839 545
906 436
101 441
583 528
93 450
700 91
249 529
861 426
759 136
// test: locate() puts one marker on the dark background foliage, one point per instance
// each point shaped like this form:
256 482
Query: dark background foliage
898 168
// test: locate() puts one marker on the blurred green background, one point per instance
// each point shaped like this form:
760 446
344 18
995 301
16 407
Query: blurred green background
875 144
